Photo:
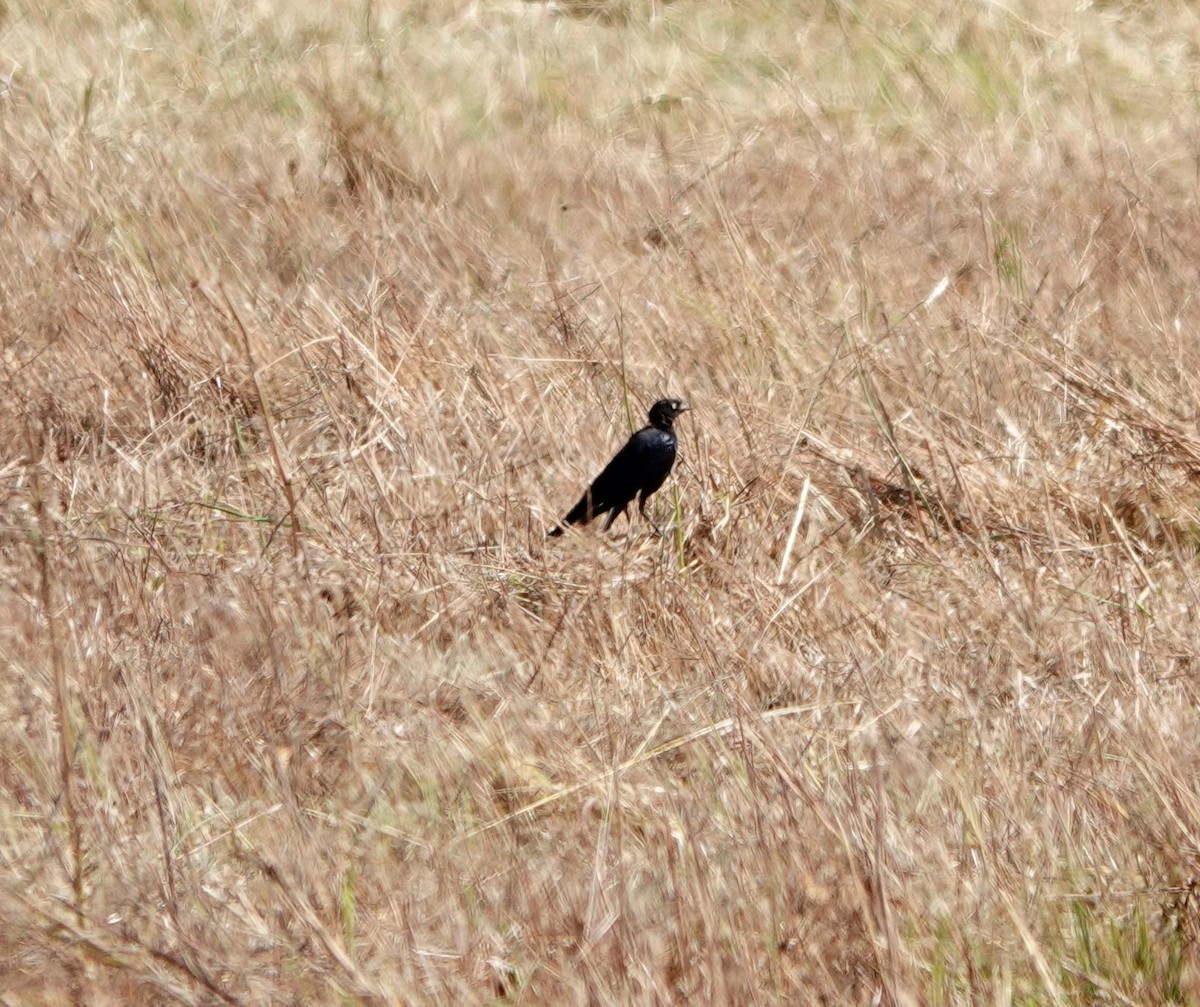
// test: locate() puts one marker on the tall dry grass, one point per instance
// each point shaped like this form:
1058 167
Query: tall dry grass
315 317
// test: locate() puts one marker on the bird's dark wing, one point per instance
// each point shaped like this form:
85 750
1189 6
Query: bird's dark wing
641 466
612 489
646 457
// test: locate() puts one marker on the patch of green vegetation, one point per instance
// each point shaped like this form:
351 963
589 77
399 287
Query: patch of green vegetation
1128 950
348 904
1009 258
993 89
528 591
177 14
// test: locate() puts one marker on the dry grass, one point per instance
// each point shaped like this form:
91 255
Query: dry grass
315 316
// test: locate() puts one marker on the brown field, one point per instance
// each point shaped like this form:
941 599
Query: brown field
315 316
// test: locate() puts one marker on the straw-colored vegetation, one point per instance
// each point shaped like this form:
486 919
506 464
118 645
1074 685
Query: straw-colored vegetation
315 316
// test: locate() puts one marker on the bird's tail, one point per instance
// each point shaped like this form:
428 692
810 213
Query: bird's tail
581 513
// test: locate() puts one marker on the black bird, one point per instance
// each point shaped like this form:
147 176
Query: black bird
640 467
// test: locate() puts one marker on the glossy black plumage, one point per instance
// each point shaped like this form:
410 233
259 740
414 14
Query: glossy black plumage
637 470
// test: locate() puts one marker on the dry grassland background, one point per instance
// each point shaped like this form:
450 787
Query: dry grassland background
315 316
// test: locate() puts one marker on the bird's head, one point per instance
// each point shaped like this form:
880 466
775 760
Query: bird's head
664 411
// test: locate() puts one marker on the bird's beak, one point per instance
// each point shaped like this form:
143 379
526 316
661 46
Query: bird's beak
685 408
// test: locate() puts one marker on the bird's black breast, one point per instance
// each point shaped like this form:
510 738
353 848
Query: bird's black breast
658 449
641 466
